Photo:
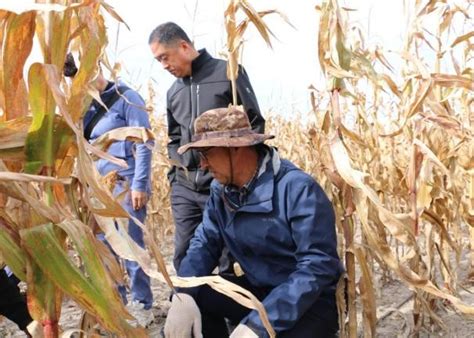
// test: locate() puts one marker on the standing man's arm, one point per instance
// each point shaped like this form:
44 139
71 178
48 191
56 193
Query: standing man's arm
136 116
174 134
247 98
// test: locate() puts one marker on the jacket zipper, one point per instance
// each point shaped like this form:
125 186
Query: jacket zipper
192 105
197 99
197 112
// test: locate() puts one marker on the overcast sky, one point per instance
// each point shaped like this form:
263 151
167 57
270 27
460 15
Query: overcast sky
280 77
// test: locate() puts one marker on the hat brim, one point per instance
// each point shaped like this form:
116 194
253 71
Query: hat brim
229 142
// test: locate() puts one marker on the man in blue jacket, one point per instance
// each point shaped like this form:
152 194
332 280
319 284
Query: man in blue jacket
126 108
279 226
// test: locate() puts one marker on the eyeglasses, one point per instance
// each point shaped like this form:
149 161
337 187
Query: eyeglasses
202 153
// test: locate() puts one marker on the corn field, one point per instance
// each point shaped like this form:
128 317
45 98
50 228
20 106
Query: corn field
391 143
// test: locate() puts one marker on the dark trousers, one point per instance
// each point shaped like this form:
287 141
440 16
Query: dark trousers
12 304
187 206
216 307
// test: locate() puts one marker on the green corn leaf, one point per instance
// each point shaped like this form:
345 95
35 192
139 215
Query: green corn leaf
11 250
94 290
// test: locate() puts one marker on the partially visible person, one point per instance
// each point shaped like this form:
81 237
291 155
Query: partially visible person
125 108
201 84
13 306
278 224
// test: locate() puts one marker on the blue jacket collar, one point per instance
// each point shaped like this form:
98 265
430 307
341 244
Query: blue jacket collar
260 199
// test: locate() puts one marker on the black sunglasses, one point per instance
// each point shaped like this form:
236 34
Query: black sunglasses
202 153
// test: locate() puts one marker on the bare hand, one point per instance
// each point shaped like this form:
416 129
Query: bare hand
139 199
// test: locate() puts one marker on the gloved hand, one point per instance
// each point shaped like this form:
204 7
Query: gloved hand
35 329
243 331
184 318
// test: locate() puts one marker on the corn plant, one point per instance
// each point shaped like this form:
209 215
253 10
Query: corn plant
43 203
235 32
51 192
400 175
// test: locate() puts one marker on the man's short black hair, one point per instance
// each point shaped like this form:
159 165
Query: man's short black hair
168 33
70 68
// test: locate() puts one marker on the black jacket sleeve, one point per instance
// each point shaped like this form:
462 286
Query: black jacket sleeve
174 134
247 98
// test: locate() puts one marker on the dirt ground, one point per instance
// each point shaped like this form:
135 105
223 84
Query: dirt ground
394 306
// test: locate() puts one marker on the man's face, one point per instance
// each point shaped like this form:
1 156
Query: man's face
175 57
216 160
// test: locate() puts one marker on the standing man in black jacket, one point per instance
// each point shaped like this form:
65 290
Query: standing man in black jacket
201 84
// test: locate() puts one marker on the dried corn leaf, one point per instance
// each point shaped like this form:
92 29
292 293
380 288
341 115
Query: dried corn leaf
18 42
462 38
355 179
367 294
132 134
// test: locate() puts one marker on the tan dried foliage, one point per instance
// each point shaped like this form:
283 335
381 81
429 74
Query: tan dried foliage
46 200
392 147
394 150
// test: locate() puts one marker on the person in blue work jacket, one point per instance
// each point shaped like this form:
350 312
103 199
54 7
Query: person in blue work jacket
277 223
126 108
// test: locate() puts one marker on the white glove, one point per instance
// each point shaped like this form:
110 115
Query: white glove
35 329
184 318
243 331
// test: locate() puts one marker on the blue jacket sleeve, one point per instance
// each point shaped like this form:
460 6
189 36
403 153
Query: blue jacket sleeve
136 116
205 247
312 222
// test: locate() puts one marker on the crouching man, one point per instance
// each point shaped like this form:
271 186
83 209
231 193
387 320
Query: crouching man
278 225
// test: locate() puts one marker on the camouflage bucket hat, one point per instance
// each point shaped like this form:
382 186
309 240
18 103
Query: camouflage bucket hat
223 127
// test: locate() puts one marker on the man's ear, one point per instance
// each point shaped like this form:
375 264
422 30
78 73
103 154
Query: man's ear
184 45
